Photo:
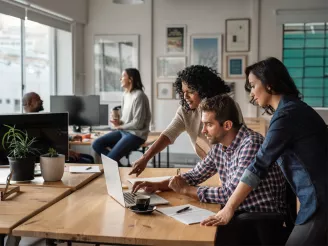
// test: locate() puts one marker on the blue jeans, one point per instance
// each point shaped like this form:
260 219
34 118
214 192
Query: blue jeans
120 143
84 158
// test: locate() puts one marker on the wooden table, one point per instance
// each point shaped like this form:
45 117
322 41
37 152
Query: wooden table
91 215
27 203
73 181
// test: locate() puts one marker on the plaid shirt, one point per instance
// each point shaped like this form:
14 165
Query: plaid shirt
230 163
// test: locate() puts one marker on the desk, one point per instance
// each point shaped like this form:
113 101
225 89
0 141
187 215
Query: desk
152 137
73 181
91 215
30 201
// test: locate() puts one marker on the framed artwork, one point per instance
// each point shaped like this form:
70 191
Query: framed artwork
206 50
235 66
112 54
237 35
169 66
175 39
164 90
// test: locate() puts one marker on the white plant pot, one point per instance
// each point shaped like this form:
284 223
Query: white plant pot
52 168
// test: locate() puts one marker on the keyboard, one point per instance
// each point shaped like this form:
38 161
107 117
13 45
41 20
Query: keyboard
129 197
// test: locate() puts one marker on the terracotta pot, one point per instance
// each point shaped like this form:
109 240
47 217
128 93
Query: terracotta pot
52 168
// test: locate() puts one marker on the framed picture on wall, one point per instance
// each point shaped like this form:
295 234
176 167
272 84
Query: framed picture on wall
112 54
235 66
175 40
164 90
169 66
237 35
206 50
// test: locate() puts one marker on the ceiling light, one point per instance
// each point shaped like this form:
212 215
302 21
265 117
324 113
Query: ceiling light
128 1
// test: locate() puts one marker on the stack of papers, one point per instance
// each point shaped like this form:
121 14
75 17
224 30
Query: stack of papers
153 179
84 169
193 215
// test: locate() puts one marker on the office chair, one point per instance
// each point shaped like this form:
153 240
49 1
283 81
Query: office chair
258 228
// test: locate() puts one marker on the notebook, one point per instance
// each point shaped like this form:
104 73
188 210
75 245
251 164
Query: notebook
191 216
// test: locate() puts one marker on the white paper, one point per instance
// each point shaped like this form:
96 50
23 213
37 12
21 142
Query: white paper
153 179
193 215
84 169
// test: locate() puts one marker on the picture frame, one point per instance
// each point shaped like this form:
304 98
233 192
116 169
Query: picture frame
169 66
206 49
235 66
164 90
175 39
237 32
112 54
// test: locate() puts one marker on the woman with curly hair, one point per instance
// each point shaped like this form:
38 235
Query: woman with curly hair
193 84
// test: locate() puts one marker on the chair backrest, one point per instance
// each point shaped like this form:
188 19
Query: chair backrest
257 124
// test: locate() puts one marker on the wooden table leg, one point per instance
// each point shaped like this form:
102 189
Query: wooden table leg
167 156
154 161
13 240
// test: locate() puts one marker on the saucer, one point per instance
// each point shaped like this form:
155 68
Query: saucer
138 211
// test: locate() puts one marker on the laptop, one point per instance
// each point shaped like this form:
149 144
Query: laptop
114 186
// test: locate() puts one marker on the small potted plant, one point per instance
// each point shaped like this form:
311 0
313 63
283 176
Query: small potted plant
52 165
21 153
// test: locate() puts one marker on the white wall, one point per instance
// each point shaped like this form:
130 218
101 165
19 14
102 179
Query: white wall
108 18
75 9
206 16
200 17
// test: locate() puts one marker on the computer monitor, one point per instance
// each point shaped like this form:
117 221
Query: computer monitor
83 110
50 131
103 114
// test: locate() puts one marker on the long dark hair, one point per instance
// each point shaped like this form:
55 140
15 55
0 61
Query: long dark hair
274 75
135 77
204 80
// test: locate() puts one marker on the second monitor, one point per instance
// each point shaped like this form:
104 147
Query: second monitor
83 110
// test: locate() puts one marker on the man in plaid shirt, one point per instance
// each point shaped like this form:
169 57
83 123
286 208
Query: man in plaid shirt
234 147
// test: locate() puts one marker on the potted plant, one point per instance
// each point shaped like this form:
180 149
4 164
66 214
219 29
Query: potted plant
52 165
21 153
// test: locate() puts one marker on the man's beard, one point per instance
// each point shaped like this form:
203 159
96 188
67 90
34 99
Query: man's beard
40 108
217 139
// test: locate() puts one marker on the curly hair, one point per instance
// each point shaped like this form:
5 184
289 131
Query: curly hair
274 75
201 79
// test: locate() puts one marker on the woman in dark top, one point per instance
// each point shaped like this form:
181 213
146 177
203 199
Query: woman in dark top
297 141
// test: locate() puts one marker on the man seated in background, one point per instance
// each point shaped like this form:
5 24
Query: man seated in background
234 147
33 103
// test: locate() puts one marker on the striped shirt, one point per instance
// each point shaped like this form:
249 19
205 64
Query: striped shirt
230 163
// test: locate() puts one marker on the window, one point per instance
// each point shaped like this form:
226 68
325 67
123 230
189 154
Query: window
10 61
39 65
305 54
46 55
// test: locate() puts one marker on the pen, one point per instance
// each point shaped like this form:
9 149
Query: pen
182 210
88 168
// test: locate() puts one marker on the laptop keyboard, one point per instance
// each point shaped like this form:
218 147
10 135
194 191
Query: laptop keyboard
129 197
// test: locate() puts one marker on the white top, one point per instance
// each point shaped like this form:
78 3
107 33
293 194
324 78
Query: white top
136 114
190 121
